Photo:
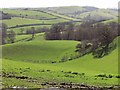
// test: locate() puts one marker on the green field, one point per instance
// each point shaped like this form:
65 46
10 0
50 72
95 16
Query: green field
21 21
24 38
99 14
21 37
30 62
82 12
27 12
66 10
25 21
24 29
21 59
39 51
112 20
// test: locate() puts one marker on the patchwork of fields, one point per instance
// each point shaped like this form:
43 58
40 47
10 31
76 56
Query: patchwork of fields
33 63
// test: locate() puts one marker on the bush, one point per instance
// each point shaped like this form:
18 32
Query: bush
76 73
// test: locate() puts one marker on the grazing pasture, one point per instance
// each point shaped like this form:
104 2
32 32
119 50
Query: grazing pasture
38 63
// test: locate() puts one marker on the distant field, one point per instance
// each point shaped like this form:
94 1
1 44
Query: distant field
24 38
18 30
98 14
82 12
24 21
20 21
112 20
66 10
61 16
21 37
28 13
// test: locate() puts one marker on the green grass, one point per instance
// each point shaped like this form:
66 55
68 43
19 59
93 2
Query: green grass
24 38
15 82
37 14
58 72
99 13
20 59
67 9
24 29
112 20
27 12
21 37
39 37
61 16
20 21
35 58
39 51
74 11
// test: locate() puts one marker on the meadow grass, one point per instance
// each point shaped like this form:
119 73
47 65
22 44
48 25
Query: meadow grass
112 20
21 21
27 12
40 60
21 38
81 70
24 29
39 51
100 12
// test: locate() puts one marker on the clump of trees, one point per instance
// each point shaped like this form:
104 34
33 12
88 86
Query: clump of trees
101 43
4 15
36 30
7 36
10 36
95 38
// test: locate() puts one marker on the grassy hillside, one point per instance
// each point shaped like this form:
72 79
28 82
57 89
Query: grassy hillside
41 51
21 12
99 14
112 20
24 29
66 9
82 12
21 37
20 21
32 63
25 21
79 70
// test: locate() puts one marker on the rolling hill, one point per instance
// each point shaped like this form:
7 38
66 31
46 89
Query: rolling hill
83 12
34 60
36 51
39 63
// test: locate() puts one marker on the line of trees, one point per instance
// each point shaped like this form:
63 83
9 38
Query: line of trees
85 31
36 30
95 38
